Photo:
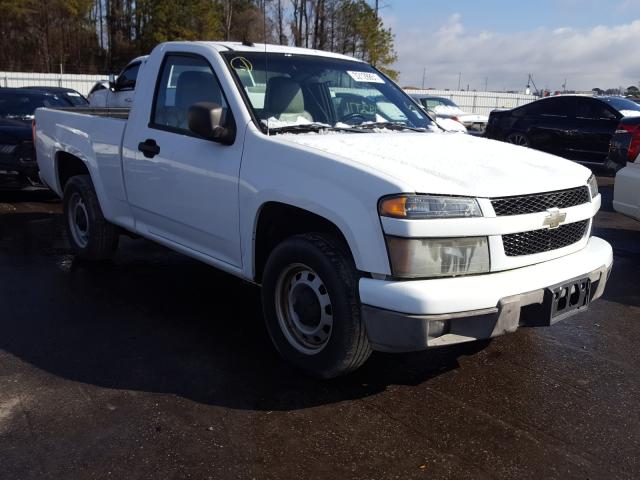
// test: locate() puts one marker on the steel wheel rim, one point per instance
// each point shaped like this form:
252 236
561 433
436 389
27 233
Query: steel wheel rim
518 139
304 309
78 219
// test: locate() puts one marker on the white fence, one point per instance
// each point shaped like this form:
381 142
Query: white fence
81 83
480 102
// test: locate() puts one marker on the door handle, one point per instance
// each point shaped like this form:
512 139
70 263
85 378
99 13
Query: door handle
149 148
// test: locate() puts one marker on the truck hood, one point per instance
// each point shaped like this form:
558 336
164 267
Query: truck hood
450 163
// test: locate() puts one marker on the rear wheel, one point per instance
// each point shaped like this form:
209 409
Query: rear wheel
90 235
518 138
312 308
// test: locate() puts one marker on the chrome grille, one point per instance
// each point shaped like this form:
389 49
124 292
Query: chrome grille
538 241
540 202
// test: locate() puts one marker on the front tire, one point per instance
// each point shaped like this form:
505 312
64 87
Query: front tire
91 236
312 307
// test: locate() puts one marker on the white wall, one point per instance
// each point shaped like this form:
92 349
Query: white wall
81 83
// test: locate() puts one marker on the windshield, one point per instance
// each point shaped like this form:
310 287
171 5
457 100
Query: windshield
287 90
23 105
622 104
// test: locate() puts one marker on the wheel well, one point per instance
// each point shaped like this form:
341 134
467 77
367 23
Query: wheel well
69 166
278 221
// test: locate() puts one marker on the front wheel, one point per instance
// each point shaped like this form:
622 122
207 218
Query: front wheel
312 307
90 235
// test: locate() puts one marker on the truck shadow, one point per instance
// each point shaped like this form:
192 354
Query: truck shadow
154 321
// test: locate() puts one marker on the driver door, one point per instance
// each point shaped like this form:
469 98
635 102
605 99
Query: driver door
182 188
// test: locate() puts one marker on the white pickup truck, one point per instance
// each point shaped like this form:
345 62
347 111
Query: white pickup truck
315 176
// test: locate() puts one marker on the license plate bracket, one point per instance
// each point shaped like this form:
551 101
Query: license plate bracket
566 299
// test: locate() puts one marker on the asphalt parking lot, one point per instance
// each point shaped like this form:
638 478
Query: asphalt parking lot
155 366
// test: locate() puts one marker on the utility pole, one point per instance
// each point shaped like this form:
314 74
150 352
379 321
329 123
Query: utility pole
424 74
376 9
486 84
459 80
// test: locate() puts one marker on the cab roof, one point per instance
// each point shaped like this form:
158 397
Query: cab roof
271 48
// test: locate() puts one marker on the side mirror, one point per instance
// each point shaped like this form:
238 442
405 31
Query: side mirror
209 120
112 81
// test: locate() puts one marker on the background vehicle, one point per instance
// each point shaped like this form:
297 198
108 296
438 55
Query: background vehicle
18 167
626 190
625 144
574 127
445 108
298 170
624 158
101 85
71 96
119 93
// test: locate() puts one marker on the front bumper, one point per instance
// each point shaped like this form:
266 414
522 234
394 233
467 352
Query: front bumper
403 316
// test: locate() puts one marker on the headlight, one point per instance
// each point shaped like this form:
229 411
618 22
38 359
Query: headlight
593 186
438 257
428 206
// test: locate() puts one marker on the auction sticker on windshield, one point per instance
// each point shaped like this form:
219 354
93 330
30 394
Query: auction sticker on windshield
369 77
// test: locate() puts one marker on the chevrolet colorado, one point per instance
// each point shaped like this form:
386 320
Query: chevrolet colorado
314 175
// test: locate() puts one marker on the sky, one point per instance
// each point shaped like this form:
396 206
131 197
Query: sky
590 43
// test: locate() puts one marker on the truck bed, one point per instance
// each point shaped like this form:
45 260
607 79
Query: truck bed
94 135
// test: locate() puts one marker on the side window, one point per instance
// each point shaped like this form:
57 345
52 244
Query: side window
562 107
184 81
127 79
588 109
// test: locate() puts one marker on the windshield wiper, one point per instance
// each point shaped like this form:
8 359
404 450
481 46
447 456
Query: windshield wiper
310 127
389 125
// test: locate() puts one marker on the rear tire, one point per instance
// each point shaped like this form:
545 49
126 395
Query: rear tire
518 138
91 236
312 307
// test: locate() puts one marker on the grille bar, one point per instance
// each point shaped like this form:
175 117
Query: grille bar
541 201
539 241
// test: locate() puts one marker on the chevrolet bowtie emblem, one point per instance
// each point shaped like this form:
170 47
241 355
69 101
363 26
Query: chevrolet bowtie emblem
555 218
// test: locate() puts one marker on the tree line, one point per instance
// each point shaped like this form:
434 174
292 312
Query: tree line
100 36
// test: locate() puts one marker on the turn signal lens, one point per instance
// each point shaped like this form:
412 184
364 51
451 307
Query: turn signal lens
394 207
428 206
